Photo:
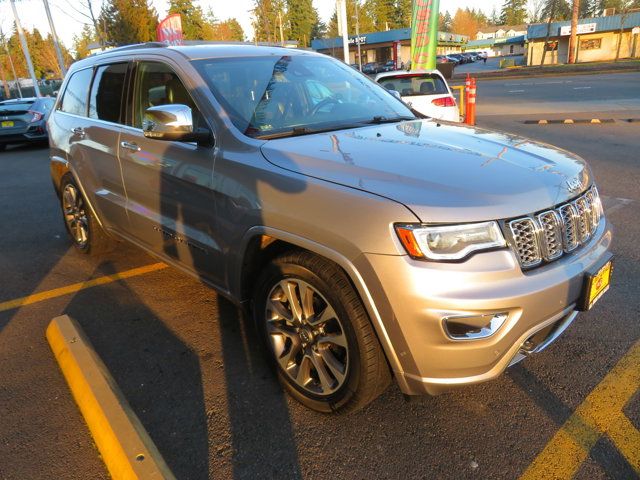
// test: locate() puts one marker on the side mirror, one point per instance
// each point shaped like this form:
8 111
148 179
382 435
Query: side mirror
396 94
173 122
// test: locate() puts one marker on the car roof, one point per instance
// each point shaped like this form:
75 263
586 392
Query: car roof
194 51
400 73
19 100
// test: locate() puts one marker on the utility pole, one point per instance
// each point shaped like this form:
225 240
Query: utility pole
54 35
574 31
25 49
358 35
343 29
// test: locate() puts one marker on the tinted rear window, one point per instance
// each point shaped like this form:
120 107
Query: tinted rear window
15 107
415 84
75 96
106 92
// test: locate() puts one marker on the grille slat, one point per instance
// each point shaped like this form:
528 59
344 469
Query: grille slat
552 233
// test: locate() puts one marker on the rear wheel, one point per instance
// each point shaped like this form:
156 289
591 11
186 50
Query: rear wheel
83 228
318 334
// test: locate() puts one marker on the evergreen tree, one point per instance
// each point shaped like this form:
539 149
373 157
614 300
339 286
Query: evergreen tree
128 21
194 24
403 13
382 13
267 21
81 42
444 22
514 12
365 20
301 18
562 10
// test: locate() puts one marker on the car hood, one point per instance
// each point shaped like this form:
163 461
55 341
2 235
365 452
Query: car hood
442 172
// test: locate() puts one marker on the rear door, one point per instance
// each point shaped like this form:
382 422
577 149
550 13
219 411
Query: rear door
87 126
101 134
170 199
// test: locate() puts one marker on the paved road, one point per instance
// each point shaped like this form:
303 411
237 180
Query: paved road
190 367
618 92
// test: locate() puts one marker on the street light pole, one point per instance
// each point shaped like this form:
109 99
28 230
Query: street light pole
54 35
358 35
341 11
25 49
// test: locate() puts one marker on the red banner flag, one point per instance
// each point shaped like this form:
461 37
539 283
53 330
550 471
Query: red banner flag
169 30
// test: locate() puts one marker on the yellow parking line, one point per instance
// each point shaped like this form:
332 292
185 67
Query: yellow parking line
58 292
601 413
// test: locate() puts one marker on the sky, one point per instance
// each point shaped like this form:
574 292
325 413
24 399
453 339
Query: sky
68 19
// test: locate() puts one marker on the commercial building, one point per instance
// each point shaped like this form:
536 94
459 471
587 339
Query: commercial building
499 47
501 31
598 39
384 46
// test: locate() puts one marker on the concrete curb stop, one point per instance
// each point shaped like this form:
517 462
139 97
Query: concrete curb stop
125 446
571 121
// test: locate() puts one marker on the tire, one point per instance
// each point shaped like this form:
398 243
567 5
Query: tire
84 230
324 350
3 147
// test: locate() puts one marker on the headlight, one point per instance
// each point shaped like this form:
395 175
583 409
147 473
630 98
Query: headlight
449 242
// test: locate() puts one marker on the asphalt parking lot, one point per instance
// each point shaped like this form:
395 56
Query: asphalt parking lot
190 366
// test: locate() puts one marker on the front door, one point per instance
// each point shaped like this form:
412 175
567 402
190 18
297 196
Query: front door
170 201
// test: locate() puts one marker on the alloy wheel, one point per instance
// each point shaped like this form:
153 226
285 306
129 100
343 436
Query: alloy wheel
75 215
307 337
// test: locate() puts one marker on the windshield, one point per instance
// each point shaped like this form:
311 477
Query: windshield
415 84
270 96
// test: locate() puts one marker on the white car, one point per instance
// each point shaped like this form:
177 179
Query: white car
423 90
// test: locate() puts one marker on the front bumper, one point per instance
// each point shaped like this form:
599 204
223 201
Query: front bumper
414 297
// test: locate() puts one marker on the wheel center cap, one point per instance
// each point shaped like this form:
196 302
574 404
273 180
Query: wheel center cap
306 336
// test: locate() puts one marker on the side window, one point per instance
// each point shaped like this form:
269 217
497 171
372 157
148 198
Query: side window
75 95
157 84
108 85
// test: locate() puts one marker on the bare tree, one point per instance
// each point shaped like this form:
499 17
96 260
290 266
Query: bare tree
87 10
534 10
625 9
546 40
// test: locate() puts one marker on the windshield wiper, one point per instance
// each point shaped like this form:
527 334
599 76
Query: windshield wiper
297 131
378 119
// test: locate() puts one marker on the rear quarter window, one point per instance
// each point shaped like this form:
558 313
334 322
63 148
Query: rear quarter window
74 99
415 84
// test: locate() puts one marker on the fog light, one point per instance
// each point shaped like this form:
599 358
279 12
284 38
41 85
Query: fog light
474 327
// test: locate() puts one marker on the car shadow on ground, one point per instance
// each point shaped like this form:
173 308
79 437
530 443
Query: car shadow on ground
162 376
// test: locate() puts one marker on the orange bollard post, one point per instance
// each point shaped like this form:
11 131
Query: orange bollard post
471 112
467 90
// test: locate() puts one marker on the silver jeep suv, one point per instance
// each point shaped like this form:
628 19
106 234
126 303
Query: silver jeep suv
366 242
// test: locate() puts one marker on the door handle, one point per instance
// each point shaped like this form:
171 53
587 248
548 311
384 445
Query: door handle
78 131
130 146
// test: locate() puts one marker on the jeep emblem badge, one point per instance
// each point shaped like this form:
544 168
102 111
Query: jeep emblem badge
574 185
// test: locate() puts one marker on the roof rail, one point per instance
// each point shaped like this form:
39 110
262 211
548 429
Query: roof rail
136 46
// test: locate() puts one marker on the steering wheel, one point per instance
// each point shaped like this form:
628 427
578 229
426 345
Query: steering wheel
324 103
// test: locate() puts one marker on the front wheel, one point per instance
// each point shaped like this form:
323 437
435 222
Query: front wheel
83 228
318 334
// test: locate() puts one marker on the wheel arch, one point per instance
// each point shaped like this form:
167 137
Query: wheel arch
261 244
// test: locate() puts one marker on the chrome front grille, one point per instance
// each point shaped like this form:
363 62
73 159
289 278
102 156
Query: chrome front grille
548 235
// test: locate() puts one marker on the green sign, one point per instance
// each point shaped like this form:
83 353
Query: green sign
424 34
